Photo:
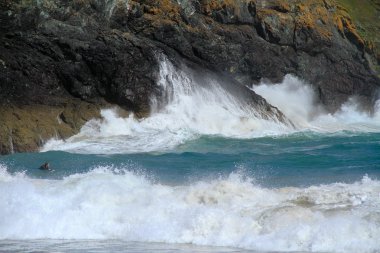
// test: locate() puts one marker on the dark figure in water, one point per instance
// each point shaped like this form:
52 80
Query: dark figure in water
45 166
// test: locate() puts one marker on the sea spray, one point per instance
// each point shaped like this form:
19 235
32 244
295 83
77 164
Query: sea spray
297 101
189 107
230 211
190 111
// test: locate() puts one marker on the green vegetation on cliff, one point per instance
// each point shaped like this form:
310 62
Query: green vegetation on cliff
366 16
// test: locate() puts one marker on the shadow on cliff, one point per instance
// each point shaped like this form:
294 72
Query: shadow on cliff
90 54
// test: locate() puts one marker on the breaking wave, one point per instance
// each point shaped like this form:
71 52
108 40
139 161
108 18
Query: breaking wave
297 101
193 109
109 203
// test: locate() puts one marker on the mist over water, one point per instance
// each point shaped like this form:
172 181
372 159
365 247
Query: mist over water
191 109
297 101
205 168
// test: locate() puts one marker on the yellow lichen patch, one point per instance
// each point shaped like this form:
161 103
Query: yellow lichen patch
164 8
282 19
339 24
266 12
278 5
344 24
159 19
262 13
26 128
314 16
283 5
208 6
352 30
322 14
365 14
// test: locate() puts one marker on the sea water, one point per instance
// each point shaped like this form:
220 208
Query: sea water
203 173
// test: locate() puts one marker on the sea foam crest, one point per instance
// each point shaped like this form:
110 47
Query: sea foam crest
229 211
189 110
297 101
5 176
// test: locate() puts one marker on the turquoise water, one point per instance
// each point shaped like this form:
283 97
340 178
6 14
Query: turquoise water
208 172
295 160
303 192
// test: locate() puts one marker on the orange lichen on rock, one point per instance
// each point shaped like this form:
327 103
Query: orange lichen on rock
352 30
283 6
283 19
346 27
314 17
167 9
208 6
278 5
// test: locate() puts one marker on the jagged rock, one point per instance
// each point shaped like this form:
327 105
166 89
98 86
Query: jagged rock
315 40
54 52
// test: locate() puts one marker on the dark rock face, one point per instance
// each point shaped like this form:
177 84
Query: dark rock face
56 61
56 52
250 40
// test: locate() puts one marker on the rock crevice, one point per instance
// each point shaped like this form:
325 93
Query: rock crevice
56 53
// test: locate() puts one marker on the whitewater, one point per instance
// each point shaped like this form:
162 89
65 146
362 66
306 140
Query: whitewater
198 109
104 204
204 172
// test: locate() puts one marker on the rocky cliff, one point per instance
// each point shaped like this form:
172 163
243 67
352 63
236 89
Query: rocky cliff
366 16
60 60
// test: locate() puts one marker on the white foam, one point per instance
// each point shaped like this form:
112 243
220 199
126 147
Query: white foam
297 101
191 109
5 176
102 204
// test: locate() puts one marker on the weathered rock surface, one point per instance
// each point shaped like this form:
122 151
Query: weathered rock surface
87 53
26 127
249 40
